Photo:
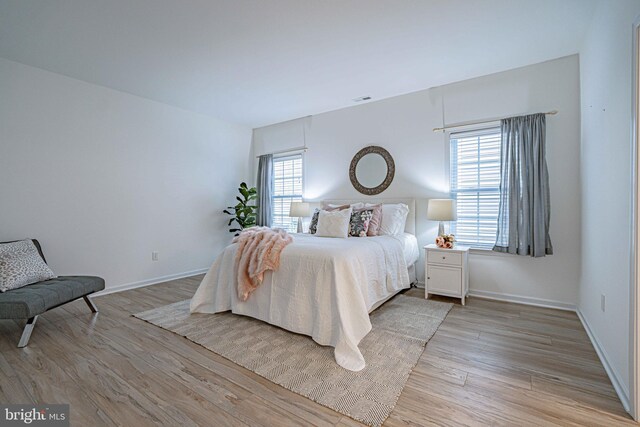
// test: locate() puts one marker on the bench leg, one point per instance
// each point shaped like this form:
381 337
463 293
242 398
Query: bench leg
26 333
90 303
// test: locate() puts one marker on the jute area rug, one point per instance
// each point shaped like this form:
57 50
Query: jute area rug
401 329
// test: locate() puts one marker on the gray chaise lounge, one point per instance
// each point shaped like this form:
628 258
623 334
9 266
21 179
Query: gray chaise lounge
30 301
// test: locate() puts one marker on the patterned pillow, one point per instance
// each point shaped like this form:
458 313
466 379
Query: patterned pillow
21 265
313 226
359 223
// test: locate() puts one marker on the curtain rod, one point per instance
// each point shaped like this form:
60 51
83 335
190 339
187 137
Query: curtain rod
478 122
288 150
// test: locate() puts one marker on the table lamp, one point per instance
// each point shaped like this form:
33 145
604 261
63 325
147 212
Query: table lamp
299 210
441 210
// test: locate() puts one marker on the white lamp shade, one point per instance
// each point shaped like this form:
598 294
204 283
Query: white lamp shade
442 210
299 209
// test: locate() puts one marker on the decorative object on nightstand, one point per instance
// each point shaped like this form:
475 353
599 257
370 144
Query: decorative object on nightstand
441 210
446 241
299 209
446 271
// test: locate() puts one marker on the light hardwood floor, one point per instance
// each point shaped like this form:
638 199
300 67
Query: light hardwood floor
490 363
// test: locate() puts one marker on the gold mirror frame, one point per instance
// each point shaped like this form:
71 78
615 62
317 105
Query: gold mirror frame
391 170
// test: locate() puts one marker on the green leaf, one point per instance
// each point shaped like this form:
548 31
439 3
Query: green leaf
243 214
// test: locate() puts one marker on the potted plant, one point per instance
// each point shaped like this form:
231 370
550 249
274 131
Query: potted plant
243 213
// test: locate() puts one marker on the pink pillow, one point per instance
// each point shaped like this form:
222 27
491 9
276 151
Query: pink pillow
376 220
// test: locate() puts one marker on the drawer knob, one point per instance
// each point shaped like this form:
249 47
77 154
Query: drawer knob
444 257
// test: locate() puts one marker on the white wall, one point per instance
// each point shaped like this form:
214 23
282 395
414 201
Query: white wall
403 125
103 178
606 90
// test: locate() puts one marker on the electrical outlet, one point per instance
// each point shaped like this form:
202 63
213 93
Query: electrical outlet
154 256
602 302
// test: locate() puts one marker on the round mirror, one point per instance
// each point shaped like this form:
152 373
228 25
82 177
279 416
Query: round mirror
371 170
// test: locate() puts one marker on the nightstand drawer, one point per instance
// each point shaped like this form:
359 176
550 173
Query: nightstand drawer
442 257
444 279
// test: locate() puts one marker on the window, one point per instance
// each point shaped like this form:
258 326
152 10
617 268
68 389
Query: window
287 188
475 184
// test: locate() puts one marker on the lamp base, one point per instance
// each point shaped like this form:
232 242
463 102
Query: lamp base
299 225
441 229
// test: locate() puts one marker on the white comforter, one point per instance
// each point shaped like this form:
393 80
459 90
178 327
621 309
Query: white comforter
324 288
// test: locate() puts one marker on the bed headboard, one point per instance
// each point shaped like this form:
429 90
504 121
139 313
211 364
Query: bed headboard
410 227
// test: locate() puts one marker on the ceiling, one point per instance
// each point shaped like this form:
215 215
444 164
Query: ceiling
257 62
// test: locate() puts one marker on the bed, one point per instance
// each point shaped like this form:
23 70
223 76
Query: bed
325 288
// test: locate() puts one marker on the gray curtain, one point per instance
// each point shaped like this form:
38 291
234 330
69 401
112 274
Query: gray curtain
265 189
524 213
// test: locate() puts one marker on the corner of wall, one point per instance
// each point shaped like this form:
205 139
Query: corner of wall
616 380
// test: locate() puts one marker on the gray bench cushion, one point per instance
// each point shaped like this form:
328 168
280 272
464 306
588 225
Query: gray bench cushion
31 300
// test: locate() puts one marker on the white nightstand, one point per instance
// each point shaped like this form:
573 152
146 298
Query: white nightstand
446 271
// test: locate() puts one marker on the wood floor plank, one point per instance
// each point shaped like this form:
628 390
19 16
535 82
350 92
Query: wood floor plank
141 374
161 349
560 410
597 401
47 380
442 403
502 373
11 388
490 363
428 368
216 389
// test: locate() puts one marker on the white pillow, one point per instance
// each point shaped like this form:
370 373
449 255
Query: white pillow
334 223
394 219
21 265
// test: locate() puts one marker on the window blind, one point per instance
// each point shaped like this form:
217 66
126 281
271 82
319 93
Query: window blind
475 184
287 188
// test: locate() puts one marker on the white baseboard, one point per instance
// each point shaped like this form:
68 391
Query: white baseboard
538 302
148 282
618 385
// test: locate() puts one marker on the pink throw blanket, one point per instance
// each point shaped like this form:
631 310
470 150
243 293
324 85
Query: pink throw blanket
258 250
